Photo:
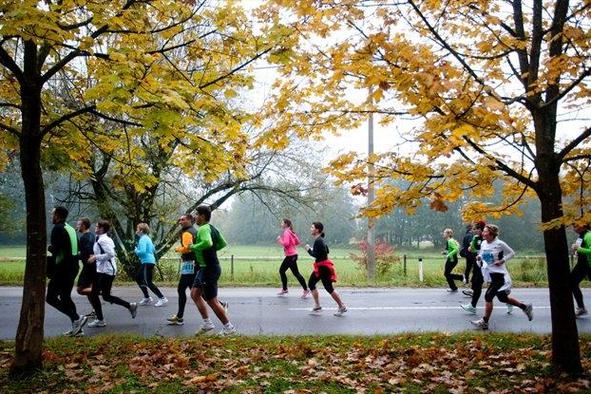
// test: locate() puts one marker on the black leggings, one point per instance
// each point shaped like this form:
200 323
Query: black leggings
186 281
144 280
102 286
497 280
580 271
59 293
449 266
470 266
324 277
291 262
477 282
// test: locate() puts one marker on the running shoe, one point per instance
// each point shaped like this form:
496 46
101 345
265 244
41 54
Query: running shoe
468 292
341 311
509 309
481 324
452 290
69 333
226 332
580 312
468 308
316 309
133 310
146 301
282 292
174 320
78 324
97 323
91 315
161 302
305 294
205 328
529 312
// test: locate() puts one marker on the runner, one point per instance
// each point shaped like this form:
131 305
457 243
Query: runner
88 274
289 240
323 270
205 287
582 247
62 268
187 237
451 259
106 269
146 253
493 256
466 254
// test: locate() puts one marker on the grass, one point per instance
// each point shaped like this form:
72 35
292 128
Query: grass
259 265
429 362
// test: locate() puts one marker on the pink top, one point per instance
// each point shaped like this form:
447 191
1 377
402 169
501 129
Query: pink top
289 240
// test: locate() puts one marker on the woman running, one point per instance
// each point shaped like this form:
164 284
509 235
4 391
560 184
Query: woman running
582 270
493 256
323 270
289 240
146 253
451 259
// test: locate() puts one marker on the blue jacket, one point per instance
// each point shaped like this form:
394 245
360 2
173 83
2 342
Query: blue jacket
145 250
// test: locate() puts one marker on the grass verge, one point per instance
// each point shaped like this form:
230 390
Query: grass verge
436 362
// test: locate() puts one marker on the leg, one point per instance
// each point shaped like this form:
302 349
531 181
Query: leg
106 285
469 265
94 296
59 292
312 286
185 282
282 269
296 272
140 279
449 266
218 309
579 272
197 294
477 283
149 281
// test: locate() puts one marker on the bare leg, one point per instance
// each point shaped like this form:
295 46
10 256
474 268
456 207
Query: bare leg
488 308
515 302
218 309
335 296
200 302
316 298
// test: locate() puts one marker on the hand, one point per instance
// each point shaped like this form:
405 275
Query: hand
443 252
499 262
91 259
574 247
307 247
278 238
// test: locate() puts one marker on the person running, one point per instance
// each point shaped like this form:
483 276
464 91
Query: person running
466 254
323 270
187 237
493 256
62 269
88 274
106 269
451 259
582 247
289 240
145 251
205 286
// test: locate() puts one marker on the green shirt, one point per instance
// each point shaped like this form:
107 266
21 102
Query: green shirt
452 248
207 241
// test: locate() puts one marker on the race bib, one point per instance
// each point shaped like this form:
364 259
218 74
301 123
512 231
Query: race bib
488 257
187 267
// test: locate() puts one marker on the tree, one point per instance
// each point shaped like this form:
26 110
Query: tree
486 84
159 68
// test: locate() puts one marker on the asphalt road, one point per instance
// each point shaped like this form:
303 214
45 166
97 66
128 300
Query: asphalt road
259 311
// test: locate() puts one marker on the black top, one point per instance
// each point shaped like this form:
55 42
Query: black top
320 250
61 248
86 242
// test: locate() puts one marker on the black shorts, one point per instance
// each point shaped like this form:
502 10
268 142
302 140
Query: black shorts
497 281
207 280
87 276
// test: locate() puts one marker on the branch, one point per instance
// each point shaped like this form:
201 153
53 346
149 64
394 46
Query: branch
11 130
107 117
10 64
573 144
240 67
67 117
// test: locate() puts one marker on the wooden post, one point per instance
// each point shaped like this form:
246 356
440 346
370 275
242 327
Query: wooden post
232 267
404 264
420 269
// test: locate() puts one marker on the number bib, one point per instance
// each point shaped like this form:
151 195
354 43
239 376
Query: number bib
187 267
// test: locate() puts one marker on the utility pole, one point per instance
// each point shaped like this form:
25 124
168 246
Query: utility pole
371 242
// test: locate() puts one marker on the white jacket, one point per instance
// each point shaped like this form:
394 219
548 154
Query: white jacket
105 258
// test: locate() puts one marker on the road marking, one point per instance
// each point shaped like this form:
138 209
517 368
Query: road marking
405 308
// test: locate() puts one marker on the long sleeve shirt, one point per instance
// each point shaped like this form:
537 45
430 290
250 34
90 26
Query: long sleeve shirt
492 252
104 251
584 251
188 237
64 247
319 250
452 247
289 240
86 242
145 250
208 241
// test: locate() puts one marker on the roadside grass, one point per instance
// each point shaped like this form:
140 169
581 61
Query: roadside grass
429 362
259 265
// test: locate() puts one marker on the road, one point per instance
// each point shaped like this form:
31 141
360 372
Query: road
259 311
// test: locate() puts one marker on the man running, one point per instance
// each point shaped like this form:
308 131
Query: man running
205 287
582 247
63 268
88 273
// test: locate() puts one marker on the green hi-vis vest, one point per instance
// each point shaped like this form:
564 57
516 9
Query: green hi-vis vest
73 238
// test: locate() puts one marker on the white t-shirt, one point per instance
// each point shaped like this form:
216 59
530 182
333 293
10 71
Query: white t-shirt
105 259
493 251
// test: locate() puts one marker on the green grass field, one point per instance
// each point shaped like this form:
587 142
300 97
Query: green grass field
259 265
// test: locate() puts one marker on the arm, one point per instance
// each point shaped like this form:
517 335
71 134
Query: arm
186 240
586 251
452 248
204 240
221 241
472 247
108 250
508 253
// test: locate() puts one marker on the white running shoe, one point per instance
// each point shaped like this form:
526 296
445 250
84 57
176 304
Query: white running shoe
282 292
161 302
341 311
205 328
468 308
226 332
481 324
78 324
305 294
97 323
146 301
580 312
509 309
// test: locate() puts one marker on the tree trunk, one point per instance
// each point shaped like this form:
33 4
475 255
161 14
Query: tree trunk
565 338
29 336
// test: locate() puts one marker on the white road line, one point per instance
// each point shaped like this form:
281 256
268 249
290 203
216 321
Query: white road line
405 308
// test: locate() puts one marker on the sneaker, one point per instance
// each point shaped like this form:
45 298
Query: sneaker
226 332
282 292
468 308
529 312
481 324
69 333
78 324
305 294
341 311
317 309
174 320
161 302
509 309
97 323
452 290
133 310
91 315
205 328
580 312
468 292
226 306
146 301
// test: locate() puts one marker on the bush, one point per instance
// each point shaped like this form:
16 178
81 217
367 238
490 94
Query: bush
385 255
